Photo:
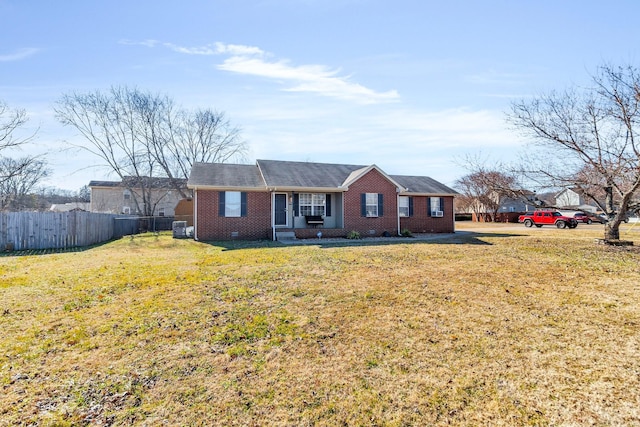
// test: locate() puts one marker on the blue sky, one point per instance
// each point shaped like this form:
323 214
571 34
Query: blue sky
411 86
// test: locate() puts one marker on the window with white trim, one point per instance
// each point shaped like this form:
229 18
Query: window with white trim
126 195
403 206
161 211
232 204
372 204
312 204
436 205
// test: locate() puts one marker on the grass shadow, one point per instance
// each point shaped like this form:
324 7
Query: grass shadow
457 238
50 251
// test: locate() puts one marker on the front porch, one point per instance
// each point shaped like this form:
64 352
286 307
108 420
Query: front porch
303 215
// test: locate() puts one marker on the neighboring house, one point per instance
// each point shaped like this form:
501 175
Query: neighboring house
529 201
68 207
568 199
124 197
507 209
273 198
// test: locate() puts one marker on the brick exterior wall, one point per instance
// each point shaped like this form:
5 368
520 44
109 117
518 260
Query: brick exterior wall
310 233
211 226
257 223
421 222
372 182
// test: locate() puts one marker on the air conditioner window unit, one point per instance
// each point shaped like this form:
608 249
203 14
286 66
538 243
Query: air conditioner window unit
437 213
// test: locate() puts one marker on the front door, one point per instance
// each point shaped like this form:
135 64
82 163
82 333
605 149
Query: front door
280 210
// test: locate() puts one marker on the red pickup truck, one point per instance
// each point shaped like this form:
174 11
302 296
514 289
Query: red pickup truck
540 218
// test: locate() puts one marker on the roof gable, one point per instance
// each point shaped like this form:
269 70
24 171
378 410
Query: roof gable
357 174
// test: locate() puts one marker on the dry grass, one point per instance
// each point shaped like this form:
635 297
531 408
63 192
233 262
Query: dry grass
502 327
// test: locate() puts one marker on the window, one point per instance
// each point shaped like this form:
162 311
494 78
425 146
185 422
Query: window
372 204
312 204
126 210
161 212
404 206
436 206
127 194
232 204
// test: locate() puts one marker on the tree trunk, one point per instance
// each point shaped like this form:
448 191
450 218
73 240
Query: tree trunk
612 231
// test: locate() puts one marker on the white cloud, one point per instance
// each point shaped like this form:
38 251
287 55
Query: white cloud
318 79
216 49
19 55
198 50
238 49
147 43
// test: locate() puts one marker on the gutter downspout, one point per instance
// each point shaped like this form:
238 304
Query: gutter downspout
273 219
195 214
398 210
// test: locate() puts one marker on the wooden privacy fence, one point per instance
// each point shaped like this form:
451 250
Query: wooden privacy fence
57 230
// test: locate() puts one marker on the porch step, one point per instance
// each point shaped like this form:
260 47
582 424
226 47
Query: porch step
285 235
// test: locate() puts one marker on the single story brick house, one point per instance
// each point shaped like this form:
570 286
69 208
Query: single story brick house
274 199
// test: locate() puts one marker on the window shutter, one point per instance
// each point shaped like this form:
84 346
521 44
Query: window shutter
327 207
442 204
380 205
428 206
296 203
221 203
363 204
410 206
243 204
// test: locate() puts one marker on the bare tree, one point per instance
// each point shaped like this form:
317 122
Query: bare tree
10 122
198 136
22 177
486 187
483 190
18 177
144 137
114 124
83 194
586 139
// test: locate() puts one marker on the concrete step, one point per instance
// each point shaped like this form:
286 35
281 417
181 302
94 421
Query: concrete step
285 235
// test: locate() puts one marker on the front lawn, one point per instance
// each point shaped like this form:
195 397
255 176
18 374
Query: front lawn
512 327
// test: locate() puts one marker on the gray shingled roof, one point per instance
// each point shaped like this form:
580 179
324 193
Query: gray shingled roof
305 174
225 175
105 183
286 174
136 182
422 185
